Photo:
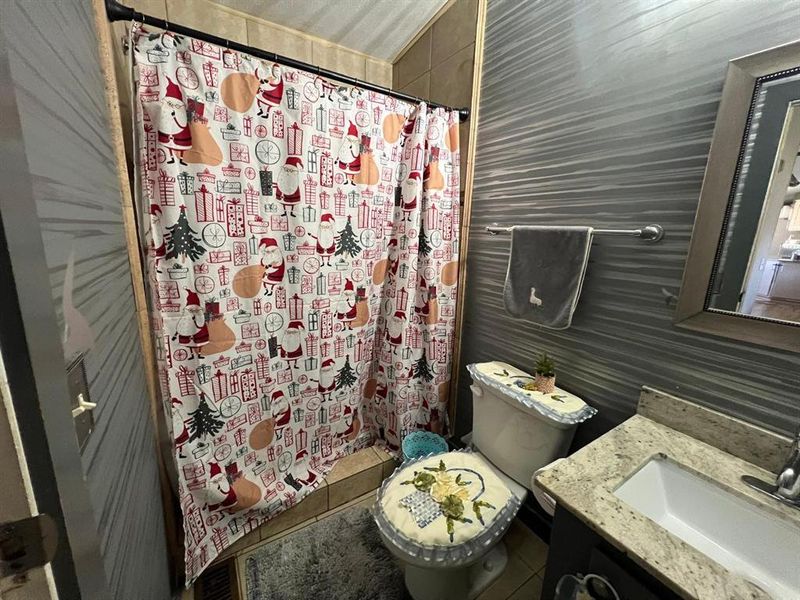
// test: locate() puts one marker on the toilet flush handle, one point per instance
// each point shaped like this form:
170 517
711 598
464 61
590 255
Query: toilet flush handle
477 391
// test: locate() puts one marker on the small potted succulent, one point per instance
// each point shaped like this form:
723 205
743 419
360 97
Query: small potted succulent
545 374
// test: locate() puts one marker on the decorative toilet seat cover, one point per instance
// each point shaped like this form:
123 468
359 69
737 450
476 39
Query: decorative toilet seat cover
444 502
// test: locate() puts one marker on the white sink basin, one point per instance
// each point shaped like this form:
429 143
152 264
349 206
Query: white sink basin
747 541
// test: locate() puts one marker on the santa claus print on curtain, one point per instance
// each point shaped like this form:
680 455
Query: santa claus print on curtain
303 259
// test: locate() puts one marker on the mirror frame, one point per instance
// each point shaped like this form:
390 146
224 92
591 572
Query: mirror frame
727 144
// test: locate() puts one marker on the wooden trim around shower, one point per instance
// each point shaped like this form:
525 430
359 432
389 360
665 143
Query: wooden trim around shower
170 502
466 211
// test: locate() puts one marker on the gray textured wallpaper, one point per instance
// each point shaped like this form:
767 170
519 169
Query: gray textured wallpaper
601 113
60 96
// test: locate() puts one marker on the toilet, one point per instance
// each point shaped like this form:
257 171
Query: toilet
444 515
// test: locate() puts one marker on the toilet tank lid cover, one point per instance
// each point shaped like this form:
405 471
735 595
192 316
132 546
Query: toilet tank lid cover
560 406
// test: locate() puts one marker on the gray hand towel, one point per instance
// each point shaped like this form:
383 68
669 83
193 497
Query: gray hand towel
546 266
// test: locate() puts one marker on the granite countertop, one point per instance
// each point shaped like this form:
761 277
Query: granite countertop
585 482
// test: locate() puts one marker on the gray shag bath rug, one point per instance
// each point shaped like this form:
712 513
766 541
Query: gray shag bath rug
340 557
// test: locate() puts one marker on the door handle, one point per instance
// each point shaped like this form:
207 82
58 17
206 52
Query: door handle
82 407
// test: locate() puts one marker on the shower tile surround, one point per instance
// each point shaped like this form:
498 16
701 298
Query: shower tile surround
229 23
353 476
249 30
585 481
439 64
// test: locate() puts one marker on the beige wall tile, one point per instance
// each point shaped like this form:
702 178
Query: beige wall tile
299 515
414 62
389 467
207 17
420 87
352 465
451 80
241 557
464 140
365 500
308 508
240 545
119 31
345 490
341 60
395 78
388 462
273 39
266 539
465 136
379 72
154 8
454 30
187 594
382 454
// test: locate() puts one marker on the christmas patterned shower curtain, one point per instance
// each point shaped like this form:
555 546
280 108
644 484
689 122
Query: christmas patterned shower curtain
302 246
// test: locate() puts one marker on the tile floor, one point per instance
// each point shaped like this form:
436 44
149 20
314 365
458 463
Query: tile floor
522 578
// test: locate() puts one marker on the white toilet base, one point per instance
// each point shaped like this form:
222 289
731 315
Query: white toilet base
465 583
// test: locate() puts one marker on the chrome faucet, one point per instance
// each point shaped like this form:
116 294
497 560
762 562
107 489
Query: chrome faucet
786 488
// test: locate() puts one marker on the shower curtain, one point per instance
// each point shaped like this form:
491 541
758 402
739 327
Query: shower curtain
302 241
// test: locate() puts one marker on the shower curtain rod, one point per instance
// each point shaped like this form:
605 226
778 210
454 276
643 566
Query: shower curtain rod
119 12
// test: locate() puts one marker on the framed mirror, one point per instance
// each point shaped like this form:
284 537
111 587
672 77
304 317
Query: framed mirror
742 275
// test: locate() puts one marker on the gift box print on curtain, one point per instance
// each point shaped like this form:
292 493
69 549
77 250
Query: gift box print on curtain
303 248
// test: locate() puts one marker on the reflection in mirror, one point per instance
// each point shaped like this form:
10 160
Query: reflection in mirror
757 267
742 273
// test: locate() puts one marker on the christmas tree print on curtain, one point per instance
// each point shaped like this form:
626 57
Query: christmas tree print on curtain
304 304
204 421
422 370
423 245
182 241
346 378
346 242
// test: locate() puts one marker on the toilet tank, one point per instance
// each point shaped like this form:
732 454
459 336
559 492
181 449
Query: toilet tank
516 430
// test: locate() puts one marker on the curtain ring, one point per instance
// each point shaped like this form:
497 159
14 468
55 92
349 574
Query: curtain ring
167 24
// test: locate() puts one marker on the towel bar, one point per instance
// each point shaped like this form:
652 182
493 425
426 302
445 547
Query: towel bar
649 233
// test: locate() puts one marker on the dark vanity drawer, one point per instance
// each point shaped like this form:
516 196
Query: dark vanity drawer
577 550
627 585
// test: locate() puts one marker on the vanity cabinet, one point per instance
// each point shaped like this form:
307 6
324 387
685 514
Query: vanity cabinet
577 549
